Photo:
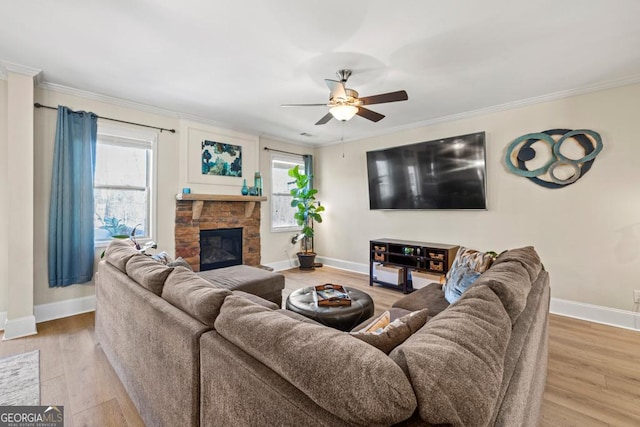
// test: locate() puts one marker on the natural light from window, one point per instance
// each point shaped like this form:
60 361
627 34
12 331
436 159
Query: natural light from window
281 184
123 185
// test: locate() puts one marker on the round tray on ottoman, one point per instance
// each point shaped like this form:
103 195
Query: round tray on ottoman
344 318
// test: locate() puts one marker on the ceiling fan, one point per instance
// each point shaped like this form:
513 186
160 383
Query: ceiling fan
344 103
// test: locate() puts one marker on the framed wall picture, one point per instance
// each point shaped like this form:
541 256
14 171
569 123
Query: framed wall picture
220 156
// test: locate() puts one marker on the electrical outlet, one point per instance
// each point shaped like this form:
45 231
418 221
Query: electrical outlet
636 296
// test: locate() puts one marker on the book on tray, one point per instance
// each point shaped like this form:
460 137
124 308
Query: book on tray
332 295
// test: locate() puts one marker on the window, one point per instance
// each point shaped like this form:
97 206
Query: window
124 196
281 184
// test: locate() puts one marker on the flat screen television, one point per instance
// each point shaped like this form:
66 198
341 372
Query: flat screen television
447 173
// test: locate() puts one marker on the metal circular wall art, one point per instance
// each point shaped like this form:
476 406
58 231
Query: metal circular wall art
521 151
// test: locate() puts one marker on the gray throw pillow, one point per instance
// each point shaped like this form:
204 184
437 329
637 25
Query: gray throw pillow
180 262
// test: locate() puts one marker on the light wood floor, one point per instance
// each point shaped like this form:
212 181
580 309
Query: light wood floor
593 377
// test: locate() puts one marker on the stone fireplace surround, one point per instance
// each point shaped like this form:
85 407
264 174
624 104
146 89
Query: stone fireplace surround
210 212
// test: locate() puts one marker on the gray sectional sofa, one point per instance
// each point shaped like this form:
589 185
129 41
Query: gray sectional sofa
192 353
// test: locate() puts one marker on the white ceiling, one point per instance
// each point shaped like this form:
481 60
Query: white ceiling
235 63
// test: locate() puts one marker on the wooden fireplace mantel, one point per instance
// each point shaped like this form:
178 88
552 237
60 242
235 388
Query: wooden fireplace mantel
199 199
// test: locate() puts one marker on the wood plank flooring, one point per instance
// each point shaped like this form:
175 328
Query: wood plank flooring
593 377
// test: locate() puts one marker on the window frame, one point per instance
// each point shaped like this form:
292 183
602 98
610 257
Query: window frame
137 137
295 159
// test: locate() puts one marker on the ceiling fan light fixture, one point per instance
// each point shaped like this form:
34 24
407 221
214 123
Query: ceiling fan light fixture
343 112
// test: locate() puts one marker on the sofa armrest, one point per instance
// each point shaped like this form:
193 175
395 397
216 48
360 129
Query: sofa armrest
153 346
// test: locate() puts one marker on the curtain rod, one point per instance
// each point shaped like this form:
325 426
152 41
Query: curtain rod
38 105
286 152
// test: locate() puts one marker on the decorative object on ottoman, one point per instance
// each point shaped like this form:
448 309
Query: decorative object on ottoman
332 295
344 318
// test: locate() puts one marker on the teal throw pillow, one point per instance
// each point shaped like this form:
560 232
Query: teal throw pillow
459 281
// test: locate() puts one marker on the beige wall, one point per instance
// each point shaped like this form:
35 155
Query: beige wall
587 233
167 181
4 206
276 247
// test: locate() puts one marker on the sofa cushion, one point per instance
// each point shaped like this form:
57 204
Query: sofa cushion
526 256
194 295
345 376
455 362
510 282
119 252
257 300
460 276
394 333
149 273
297 316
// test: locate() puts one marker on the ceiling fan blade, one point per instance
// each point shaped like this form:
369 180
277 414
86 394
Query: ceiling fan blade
368 114
400 95
336 88
303 105
324 119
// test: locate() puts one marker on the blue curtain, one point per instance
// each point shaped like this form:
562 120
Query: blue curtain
308 168
71 248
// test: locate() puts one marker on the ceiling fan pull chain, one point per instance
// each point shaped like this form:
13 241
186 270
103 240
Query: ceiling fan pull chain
342 138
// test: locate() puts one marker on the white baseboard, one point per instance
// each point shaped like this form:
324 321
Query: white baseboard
20 327
590 312
344 265
60 309
283 265
595 313
3 318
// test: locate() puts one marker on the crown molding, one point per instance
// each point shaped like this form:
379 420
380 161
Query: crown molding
218 124
140 107
583 90
53 87
10 67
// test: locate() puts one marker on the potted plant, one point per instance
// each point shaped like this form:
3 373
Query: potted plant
308 211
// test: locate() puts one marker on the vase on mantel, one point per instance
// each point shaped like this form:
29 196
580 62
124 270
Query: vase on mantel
245 189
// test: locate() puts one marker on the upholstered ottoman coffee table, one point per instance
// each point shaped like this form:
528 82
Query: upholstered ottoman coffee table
344 318
253 280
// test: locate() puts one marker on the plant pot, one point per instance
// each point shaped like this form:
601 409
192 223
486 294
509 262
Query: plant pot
307 260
